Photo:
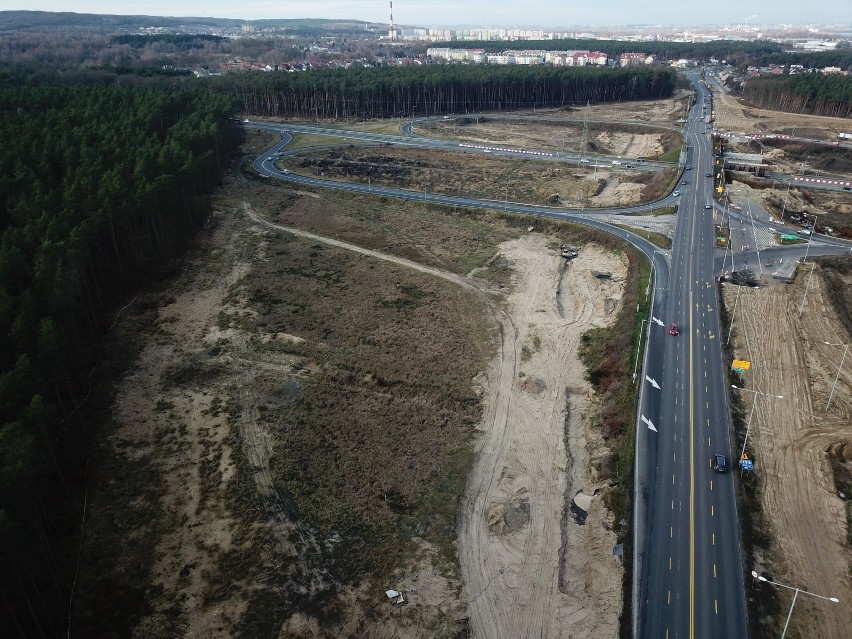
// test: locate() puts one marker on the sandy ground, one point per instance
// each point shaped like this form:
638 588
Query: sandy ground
732 115
529 569
788 439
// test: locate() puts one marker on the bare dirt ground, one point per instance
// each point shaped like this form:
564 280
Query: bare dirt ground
833 209
194 411
667 110
789 438
491 177
564 136
523 576
733 115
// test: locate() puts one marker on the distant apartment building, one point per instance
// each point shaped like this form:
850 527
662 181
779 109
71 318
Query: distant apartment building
499 58
629 59
441 34
456 55
525 57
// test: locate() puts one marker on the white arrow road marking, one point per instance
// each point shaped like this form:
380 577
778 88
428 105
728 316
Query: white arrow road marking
650 425
653 382
660 322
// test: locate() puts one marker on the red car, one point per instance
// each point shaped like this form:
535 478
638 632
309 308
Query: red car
673 329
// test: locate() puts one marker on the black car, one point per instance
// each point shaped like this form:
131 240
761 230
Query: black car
720 463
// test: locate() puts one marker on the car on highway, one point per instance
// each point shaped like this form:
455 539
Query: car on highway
675 193
688 167
708 206
673 329
709 174
683 181
720 463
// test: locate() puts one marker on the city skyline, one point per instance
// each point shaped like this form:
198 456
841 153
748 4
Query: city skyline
480 13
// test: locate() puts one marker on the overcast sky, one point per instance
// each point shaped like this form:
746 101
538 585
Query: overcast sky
548 13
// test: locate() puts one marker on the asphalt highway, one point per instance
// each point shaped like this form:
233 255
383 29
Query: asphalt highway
688 562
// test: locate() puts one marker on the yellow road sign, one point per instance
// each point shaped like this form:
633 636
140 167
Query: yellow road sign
740 365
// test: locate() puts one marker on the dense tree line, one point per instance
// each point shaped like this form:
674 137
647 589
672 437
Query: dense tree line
437 89
180 41
100 187
812 93
810 59
719 49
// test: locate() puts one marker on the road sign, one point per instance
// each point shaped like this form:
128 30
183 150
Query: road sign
740 365
746 464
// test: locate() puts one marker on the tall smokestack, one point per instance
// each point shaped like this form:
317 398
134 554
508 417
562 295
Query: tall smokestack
391 32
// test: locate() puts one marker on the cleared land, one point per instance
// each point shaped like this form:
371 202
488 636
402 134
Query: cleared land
482 176
524 576
667 110
801 517
302 416
555 134
834 208
733 115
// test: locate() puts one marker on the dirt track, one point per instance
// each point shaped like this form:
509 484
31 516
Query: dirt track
788 439
524 577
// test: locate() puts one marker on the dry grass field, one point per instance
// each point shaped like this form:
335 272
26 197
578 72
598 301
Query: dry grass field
484 176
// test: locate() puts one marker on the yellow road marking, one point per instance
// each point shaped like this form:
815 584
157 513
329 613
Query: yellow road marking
691 486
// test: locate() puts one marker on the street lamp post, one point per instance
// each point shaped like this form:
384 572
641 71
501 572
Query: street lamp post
753 404
754 236
506 198
807 286
638 349
836 377
796 592
784 206
810 237
736 301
